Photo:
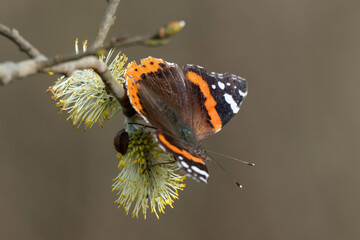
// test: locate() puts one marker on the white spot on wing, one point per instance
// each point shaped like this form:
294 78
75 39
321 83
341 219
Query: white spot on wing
230 100
243 94
202 179
181 158
213 86
199 171
162 148
228 84
170 63
221 85
185 165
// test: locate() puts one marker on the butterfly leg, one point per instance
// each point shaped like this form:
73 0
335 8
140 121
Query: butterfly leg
153 165
143 125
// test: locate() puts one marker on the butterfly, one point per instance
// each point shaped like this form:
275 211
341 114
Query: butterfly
185 105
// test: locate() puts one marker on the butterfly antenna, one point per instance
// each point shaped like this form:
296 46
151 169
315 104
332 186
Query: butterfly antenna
227 173
233 158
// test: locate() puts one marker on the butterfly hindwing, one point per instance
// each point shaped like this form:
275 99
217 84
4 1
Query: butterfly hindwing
187 158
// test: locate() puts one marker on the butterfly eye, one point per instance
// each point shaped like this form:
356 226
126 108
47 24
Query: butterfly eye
121 141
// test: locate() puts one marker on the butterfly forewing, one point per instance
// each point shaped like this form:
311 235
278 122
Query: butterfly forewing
220 96
156 90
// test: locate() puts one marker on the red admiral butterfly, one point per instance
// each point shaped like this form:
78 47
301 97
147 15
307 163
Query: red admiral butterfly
185 106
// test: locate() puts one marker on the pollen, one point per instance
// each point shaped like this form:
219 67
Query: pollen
148 177
83 95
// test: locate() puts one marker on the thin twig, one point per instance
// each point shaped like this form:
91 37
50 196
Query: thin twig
106 23
22 43
10 71
97 51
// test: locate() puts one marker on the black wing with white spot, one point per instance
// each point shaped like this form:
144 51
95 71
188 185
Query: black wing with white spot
227 90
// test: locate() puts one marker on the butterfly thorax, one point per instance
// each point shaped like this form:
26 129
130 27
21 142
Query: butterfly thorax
187 135
190 138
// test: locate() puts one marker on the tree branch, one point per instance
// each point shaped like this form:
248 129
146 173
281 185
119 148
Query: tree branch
106 23
10 71
22 43
98 51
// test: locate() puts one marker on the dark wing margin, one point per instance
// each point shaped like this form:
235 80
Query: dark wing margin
226 90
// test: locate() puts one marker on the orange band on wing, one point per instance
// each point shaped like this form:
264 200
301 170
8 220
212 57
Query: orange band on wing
147 65
133 89
210 103
178 151
133 75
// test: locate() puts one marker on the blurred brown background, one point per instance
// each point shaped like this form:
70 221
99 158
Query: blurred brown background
299 124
